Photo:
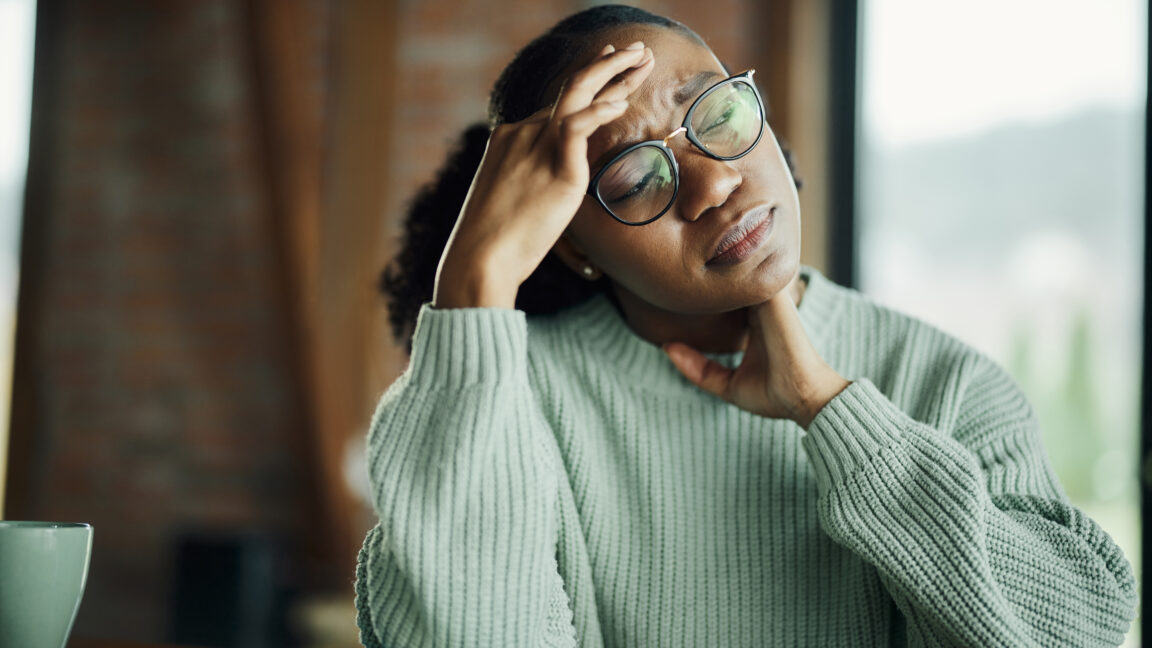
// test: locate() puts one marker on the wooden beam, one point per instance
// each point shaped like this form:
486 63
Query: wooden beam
791 54
352 204
775 61
290 112
809 134
327 158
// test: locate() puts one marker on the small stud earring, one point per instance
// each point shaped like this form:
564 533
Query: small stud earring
588 271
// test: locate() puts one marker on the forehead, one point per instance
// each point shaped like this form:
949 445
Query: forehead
653 109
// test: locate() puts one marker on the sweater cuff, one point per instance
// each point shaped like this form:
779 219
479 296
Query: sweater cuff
851 429
459 347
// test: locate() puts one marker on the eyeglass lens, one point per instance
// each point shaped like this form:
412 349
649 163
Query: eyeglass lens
727 122
641 184
637 183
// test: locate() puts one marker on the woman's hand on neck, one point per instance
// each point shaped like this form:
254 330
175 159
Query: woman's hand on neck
781 374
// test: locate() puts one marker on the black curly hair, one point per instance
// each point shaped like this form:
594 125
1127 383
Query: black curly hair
526 85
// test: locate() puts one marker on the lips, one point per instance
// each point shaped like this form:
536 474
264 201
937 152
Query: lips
744 237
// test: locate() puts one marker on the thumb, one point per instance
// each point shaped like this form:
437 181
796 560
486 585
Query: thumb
706 374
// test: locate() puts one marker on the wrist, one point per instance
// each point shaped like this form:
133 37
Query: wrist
472 286
820 399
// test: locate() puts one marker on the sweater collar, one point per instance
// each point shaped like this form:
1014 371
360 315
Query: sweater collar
602 330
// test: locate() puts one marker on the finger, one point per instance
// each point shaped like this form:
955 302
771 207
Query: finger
574 133
583 86
701 371
545 113
624 84
585 122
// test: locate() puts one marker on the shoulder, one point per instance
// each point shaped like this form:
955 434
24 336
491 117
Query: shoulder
851 322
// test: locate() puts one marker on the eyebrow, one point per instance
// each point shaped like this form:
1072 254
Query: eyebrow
694 86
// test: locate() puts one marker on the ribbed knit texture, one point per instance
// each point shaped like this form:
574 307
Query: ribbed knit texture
556 482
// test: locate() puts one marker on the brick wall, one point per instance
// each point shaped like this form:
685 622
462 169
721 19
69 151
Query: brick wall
155 373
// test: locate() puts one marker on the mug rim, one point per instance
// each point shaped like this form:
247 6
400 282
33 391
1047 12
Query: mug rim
40 524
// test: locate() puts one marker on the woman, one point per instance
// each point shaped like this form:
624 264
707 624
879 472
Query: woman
691 439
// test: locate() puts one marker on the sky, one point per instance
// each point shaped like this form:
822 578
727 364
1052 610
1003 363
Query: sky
934 69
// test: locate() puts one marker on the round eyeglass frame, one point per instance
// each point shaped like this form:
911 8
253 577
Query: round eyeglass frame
666 151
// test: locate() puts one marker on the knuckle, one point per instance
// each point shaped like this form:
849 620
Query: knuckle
570 127
526 135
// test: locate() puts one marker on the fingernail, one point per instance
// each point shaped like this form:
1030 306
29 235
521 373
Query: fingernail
608 49
635 46
643 59
619 103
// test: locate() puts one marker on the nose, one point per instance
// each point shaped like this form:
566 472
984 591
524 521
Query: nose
705 182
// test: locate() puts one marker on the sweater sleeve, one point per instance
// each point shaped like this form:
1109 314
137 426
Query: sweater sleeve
968 528
464 553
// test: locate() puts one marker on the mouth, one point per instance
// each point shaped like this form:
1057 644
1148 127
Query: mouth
745 237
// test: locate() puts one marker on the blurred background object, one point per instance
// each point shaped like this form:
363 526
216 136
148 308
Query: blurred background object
213 186
17 26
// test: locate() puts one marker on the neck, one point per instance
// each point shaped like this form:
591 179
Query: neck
725 332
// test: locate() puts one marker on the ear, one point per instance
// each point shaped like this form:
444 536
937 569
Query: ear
572 256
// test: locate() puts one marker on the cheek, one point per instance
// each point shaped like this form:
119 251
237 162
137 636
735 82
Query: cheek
637 257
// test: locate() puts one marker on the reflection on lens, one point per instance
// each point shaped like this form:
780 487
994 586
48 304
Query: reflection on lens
728 121
639 185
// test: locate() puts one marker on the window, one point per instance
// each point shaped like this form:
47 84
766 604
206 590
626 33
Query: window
1000 197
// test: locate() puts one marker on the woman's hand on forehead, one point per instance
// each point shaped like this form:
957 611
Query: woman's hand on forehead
532 180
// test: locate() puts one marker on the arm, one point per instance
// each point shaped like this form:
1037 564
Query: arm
465 488
459 454
967 526
969 531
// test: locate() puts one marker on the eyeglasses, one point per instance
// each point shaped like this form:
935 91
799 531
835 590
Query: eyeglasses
640 184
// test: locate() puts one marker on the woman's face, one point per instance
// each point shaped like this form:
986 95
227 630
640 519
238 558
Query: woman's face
670 263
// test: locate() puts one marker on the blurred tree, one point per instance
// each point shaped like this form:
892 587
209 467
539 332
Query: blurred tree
1070 414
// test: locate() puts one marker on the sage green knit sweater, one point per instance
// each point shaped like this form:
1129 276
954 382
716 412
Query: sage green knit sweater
555 482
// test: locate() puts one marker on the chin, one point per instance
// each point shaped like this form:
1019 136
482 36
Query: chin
773 274
757 284
768 280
